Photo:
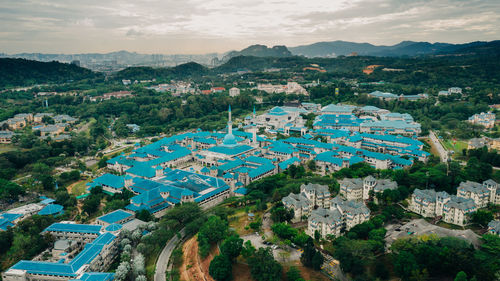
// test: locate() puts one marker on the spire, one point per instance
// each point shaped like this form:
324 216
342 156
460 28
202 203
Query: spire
229 123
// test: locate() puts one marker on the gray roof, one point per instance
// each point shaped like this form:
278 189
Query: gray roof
464 204
352 183
473 187
317 188
385 184
321 215
296 200
350 206
495 226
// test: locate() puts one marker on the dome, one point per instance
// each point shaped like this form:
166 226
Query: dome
229 140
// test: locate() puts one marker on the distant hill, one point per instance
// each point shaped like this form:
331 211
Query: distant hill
146 72
22 72
405 48
260 51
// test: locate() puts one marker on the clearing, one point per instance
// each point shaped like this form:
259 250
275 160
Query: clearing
193 267
78 188
456 146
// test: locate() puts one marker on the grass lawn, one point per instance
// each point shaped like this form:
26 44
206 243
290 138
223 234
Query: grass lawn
6 148
458 147
79 188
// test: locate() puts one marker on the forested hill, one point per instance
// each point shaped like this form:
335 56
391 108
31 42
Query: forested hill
22 72
190 69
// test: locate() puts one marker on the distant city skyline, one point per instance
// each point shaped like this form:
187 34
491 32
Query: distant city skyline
218 26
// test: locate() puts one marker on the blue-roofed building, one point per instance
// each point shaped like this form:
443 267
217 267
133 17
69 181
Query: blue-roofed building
110 183
51 209
8 220
98 252
339 109
383 96
116 217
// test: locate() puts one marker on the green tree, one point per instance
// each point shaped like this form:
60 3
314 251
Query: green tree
461 276
91 205
263 266
482 217
293 274
214 229
232 246
221 268
405 264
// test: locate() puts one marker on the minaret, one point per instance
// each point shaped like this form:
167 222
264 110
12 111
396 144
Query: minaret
230 123
254 134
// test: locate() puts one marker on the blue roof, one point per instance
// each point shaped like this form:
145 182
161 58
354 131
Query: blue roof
86 256
115 216
287 163
51 209
114 181
70 227
238 149
241 190
47 201
114 227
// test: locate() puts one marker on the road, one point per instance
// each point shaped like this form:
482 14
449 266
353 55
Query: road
163 259
443 154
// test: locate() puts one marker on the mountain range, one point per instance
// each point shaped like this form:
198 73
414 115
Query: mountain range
405 48
114 61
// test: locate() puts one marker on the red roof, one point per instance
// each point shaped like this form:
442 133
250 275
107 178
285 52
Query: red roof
218 89
206 92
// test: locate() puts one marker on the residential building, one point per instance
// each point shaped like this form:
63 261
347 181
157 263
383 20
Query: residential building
450 208
234 92
486 120
494 227
482 194
341 216
310 197
6 136
360 189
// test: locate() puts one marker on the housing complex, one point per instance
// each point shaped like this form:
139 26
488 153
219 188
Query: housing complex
455 209
487 120
325 215
358 189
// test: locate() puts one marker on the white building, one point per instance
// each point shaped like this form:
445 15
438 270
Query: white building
485 119
310 196
342 215
359 189
452 209
234 92
482 194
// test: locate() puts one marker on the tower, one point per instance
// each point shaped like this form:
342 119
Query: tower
229 123
254 112
254 134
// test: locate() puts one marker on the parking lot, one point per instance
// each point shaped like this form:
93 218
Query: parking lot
420 227
257 242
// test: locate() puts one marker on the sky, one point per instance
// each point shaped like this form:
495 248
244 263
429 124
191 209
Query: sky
206 26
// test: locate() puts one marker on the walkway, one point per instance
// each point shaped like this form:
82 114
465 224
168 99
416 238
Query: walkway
443 153
163 259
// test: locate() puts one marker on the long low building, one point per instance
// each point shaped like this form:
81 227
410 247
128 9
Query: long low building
79 251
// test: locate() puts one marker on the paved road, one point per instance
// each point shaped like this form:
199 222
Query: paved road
443 154
163 259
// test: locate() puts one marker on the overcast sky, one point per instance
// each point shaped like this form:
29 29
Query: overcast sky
203 26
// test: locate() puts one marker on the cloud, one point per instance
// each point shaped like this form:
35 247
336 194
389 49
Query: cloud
172 26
